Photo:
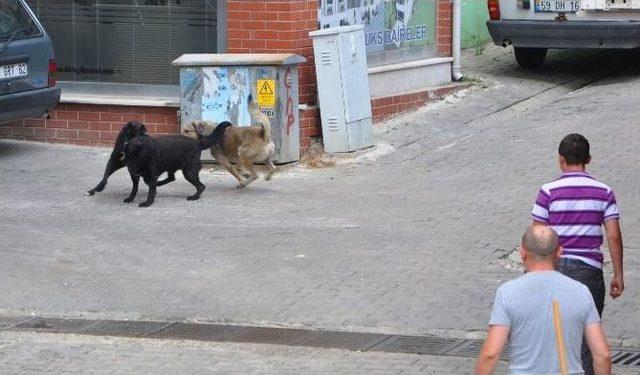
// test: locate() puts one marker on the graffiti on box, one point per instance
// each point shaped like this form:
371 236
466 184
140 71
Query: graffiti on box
216 94
225 95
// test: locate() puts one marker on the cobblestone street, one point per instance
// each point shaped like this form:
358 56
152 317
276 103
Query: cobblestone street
405 239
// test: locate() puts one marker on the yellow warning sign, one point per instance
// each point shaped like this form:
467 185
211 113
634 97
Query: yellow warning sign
266 89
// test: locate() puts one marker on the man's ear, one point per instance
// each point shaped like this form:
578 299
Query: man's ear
523 253
561 161
558 253
143 129
588 160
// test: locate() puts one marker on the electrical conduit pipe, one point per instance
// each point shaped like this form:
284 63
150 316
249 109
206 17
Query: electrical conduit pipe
456 45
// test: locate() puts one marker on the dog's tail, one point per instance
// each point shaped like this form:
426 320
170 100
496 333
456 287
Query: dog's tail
260 118
215 137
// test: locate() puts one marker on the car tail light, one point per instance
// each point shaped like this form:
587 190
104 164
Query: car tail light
53 68
494 9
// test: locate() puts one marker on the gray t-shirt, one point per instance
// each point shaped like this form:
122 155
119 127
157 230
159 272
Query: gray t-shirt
525 305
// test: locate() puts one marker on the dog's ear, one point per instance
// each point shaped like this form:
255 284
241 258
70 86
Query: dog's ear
134 128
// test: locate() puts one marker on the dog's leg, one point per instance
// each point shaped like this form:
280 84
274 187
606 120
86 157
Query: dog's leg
245 174
220 158
247 165
152 182
134 190
272 169
112 165
170 178
194 179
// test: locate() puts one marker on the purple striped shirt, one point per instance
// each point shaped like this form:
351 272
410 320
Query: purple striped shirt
576 205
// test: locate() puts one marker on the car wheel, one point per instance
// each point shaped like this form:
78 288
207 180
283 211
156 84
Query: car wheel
530 57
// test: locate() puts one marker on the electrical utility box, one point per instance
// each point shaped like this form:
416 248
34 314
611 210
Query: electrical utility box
215 87
343 88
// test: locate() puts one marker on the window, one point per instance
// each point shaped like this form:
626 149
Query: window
126 41
353 4
328 8
15 21
395 30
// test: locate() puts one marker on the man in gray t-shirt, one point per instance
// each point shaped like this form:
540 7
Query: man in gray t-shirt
523 314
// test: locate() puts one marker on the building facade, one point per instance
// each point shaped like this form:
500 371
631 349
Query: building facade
114 56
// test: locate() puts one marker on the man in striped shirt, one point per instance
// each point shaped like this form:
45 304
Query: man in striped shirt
576 206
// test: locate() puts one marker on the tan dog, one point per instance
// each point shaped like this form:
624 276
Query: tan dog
242 145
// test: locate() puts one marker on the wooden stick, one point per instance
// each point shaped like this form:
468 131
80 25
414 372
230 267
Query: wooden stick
557 324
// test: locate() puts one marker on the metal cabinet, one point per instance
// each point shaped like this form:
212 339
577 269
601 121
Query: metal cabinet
215 87
343 88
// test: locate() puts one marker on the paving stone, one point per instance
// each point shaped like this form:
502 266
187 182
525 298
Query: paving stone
406 243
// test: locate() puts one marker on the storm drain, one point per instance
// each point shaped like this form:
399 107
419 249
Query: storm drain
354 341
625 358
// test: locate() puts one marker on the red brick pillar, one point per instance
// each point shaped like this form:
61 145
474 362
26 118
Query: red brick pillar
444 35
280 26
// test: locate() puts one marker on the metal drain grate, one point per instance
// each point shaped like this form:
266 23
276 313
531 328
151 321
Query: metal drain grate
417 345
471 348
356 341
345 340
623 357
199 332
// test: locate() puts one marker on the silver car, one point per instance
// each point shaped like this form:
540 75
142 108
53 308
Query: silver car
533 26
27 66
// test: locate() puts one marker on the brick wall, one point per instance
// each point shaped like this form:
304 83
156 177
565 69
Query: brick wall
280 26
90 125
253 26
276 26
387 107
445 30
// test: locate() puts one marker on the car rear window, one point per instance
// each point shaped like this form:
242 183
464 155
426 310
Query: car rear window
16 21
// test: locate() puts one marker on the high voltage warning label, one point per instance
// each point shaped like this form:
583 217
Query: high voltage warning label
266 89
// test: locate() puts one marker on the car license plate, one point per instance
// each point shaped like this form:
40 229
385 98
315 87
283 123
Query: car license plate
13 71
568 6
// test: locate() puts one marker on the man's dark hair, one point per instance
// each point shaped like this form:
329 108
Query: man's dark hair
574 148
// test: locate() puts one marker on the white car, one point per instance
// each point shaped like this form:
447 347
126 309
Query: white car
534 26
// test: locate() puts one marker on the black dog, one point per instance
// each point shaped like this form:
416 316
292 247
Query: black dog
149 157
117 158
